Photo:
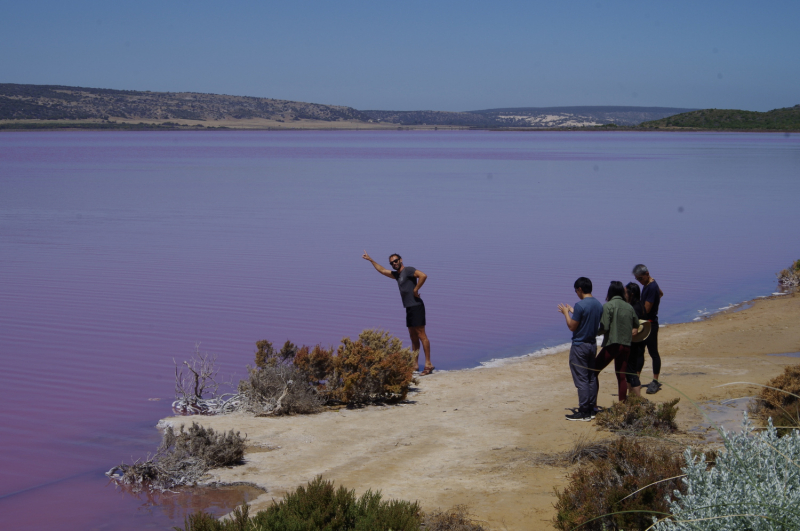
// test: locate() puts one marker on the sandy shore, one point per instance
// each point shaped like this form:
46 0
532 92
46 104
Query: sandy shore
468 437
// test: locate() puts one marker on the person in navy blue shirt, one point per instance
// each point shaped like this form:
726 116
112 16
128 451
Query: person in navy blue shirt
651 300
583 324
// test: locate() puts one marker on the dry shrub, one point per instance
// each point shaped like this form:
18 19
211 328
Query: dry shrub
640 416
316 364
584 449
604 486
183 458
278 389
455 519
781 405
267 356
375 367
790 277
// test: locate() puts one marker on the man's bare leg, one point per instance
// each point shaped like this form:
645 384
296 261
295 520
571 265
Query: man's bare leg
412 331
421 337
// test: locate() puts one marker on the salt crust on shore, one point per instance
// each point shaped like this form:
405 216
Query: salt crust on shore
468 436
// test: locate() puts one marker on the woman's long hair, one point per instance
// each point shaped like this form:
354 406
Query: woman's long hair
634 295
616 289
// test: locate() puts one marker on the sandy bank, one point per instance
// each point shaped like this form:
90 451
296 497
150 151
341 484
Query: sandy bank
468 436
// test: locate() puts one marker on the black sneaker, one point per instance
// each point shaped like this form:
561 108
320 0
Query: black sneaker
653 387
579 416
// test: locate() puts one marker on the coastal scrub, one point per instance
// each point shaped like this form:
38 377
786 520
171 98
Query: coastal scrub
640 416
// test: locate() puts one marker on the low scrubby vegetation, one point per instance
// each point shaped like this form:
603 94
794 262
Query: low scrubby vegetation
622 488
640 416
780 400
790 277
318 506
754 486
294 380
455 519
183 458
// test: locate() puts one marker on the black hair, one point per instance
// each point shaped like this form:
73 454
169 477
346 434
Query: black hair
615 289
584 284
634 295
395 254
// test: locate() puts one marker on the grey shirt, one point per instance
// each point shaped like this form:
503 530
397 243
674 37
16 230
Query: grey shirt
406 281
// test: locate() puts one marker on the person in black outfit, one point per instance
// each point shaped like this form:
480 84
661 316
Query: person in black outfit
651 300
636 357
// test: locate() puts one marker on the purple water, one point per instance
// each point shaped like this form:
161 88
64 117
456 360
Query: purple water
121 251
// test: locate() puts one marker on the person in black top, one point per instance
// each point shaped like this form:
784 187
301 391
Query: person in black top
410 280
651 300
636 357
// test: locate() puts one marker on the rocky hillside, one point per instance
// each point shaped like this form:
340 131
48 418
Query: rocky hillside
54 102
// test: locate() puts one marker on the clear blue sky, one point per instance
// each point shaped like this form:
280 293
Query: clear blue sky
410 55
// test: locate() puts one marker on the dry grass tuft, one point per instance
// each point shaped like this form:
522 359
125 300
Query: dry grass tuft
454 519
584 449
639 416
779 403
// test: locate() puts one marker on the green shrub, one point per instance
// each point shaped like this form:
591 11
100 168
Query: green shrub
754 486
640 416
604 486
318 506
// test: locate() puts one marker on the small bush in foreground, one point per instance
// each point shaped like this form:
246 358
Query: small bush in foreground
455 519
755 486
318 506
183 458
584 449
640 416
607 486
782 403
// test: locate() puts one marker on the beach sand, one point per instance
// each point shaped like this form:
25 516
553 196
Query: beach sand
469 436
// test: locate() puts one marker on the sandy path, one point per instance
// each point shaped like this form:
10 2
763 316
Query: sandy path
468 436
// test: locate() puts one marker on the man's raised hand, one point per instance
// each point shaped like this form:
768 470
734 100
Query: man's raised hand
366 256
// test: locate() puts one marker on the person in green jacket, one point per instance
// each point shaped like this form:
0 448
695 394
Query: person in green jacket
618 323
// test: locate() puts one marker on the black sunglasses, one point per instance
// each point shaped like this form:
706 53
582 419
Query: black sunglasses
394 261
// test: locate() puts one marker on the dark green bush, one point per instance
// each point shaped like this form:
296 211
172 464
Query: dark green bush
640 416
604 486
318 506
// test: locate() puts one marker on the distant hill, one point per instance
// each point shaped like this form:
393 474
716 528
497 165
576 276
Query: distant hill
784 119
578 116
57 106
56 102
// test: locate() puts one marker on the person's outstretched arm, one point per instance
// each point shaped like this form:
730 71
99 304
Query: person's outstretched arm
379 268
421 278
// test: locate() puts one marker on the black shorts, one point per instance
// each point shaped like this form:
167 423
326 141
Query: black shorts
415 315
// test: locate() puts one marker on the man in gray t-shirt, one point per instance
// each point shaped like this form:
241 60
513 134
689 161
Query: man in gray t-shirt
410 280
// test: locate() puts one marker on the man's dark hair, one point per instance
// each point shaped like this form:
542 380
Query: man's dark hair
395 254
634 295
585 284
615 289
639 270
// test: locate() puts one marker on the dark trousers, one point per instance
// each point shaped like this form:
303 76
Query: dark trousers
618 353
635 364
652 347
584 375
